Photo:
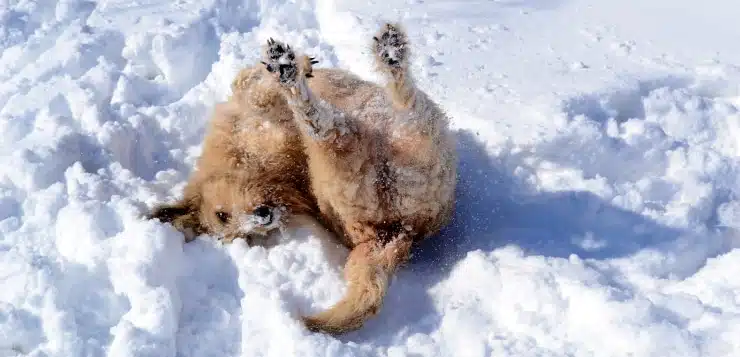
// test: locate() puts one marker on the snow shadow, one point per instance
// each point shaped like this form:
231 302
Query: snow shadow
622 103
494 210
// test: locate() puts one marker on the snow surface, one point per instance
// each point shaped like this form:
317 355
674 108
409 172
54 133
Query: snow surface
599 191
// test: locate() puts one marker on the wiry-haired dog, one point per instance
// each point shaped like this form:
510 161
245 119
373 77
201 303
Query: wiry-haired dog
382 165
375 165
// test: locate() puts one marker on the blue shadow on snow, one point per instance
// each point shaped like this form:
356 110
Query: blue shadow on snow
493 211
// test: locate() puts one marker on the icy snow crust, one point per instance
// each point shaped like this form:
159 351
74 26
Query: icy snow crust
598 188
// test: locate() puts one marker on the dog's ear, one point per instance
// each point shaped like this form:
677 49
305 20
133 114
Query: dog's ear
168 213
183 215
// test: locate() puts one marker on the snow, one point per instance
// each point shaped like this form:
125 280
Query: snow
598 201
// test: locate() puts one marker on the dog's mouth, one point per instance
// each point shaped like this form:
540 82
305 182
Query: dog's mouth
252 239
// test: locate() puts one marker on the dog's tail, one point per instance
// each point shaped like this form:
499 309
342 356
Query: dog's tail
368 271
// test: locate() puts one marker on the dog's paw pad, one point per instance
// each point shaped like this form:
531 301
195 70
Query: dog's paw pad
279 58
391 46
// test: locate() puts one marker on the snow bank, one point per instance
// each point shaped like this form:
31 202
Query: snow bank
598 199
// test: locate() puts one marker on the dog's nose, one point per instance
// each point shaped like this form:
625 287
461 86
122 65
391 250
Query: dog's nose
263 212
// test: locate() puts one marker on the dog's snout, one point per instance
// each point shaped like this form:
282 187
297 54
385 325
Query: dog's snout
263 212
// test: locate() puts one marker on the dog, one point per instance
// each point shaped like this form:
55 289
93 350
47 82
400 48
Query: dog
376 166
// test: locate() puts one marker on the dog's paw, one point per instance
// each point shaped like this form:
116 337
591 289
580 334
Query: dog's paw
391 46
280 60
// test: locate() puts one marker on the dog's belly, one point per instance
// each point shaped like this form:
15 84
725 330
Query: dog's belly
405 182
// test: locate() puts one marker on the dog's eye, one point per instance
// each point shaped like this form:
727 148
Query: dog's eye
223 216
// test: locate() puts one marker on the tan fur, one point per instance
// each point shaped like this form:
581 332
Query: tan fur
251 155
382 167
367 271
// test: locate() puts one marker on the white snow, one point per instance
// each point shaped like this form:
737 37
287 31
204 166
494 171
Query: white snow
599 188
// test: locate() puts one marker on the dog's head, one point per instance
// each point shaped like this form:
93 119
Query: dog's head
234 206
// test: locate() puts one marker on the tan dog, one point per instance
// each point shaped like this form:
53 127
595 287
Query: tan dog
382 165
380 161
252 160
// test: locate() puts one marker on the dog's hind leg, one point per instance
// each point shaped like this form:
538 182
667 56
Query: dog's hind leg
391 52
422 151
417 117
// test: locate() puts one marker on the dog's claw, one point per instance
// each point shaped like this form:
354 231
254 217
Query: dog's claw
267 66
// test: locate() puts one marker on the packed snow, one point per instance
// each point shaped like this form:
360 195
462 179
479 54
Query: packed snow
598 195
